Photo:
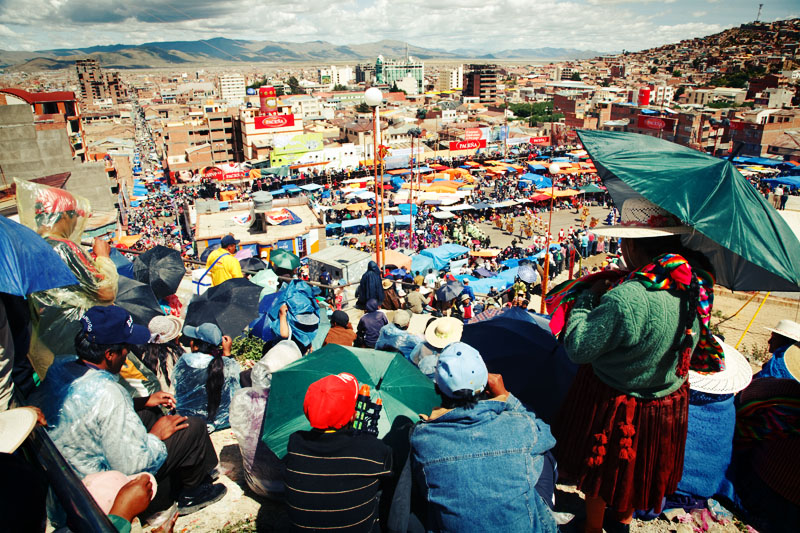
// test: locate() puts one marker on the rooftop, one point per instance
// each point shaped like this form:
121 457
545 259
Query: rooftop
217 225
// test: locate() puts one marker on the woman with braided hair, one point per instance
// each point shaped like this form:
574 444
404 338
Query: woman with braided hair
622 428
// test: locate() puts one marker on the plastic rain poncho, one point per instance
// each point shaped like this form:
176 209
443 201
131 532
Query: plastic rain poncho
60 217
395 339
263 471
190 375
91 419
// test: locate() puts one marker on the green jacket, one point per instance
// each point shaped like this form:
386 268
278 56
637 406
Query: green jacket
630 336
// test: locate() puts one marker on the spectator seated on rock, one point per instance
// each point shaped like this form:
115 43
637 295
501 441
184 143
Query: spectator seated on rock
395 336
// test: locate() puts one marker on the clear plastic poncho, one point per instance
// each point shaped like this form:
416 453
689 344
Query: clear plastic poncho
60 217
189 377
263 471
395 339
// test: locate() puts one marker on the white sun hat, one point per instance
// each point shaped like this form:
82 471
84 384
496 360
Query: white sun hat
736 376
15 426
787 328
641 218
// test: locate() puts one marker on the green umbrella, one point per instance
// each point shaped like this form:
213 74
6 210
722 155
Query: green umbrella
747 241
283 259
404 390
588 189
268 279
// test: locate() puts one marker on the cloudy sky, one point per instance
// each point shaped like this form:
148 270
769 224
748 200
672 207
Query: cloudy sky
488 25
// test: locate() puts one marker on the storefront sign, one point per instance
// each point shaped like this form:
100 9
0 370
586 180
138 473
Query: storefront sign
273 121
468 145
654 123
540 140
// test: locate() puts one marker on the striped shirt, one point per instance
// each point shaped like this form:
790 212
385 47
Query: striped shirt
332 480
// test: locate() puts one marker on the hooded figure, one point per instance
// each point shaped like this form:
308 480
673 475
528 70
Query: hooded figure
369 327
370 286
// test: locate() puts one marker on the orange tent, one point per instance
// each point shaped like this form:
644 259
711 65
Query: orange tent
393 257
358 207
129 240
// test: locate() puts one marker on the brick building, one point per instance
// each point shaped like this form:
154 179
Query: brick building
481 81
98 85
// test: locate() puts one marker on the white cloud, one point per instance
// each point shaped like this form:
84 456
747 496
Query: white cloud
698 14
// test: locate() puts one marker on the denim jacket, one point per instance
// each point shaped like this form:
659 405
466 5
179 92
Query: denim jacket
477 468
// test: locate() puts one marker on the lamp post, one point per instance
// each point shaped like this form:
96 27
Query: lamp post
553 171
373 97
415 133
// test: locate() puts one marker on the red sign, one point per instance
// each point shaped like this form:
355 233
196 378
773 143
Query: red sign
268 100
654 123
212 173
234 175
468 145
737 125
473 134
540 140
263 122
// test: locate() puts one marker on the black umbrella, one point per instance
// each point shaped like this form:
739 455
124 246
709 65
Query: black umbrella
451 291
162 268
252 263
207 252
231 305
137 299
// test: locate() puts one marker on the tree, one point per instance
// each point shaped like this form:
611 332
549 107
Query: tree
363 108
677 73
339 87
294 86
575 77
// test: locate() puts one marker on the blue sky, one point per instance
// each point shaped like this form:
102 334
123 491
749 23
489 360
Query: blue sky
485 25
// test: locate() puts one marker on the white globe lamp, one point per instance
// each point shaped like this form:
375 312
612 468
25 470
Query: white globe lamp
554 168
373 96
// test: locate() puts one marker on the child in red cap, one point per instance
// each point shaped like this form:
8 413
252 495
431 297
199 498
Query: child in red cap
333 474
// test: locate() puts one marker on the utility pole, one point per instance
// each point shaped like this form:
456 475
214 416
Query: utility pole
758 16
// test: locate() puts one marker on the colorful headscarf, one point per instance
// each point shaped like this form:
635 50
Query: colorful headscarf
769 419
667 271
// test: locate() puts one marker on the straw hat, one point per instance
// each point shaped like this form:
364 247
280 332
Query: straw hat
642 218
386 283
787 328
444 331
736 376
15 426
791 358
164 328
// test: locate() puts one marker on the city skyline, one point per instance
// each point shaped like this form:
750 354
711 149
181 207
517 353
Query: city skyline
470 25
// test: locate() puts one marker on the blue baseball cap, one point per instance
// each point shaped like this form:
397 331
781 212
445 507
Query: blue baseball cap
227 240
207 332
460 367
112 325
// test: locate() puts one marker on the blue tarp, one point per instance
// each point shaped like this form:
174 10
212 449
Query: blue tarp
423 170
537 179
762 161
311 187
442 255
291 188
792 182
536 166
406 209
421 263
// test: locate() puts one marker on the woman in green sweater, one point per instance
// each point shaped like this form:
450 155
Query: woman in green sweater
636 333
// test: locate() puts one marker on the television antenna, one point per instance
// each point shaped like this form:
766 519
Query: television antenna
758 16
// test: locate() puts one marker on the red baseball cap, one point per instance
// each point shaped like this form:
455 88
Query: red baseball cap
331 401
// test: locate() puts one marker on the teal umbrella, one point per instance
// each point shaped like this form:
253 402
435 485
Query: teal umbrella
591 188
747 241
403 389
284 259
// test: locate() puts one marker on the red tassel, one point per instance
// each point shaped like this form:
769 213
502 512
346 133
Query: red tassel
626 443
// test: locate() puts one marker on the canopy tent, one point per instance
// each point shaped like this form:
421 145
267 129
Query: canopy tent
793 182
361 206
311 187
442 215
442 255
407 209
393 257
559 194
488 252
591 188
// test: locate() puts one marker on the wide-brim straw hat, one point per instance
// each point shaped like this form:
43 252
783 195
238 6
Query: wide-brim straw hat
791 358
15 426
164 328
386 283
444 331
641 219
736 376
787 328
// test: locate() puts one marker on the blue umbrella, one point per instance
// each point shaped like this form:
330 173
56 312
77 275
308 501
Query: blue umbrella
28 264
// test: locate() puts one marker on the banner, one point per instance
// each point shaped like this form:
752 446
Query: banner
297 143
476 134
736 125
540 140
268 100
212 173
654 123
468 145
263 122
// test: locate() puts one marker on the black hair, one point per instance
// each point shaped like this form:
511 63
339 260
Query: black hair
155 356
92 352
464 398
216 376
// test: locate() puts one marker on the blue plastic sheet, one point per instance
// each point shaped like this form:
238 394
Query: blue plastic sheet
190 375
442 255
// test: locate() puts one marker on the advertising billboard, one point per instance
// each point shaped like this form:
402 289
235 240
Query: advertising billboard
655 123
263 122
268 100
475 134
290 147
736 125
540 140
468 145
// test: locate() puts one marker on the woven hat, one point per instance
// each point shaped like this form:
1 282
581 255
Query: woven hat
788 328
736 376
791 358
386 283
401 318
642 218
15 426
444 331
164 328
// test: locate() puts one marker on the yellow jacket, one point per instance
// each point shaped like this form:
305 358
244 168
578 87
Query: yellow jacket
226 268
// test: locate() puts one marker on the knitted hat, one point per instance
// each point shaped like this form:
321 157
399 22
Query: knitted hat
340 318
330 402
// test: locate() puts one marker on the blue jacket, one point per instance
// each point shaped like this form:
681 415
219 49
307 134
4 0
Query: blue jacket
469 292
477 468
776 366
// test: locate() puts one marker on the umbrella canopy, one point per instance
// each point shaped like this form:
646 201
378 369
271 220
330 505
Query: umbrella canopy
591 188
207 252
484 273
231 305
450 291
28 264
284 259
138 299
124 266
252 263
267 279
748 243
533 364
404 390
527 274
162 268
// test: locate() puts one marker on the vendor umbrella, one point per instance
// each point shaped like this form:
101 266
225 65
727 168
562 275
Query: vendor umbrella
591 188
403 389
527 274
207 252
450 291
534 366
284 259
484 273
28 263
162 268
232 305
748 243
138 299
252 263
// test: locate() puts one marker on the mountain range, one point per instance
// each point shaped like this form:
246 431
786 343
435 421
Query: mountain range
222 50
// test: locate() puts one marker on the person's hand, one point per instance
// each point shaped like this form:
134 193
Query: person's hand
227 343
40 419
101 248
496 386
283 310
167 425
160 398
133 498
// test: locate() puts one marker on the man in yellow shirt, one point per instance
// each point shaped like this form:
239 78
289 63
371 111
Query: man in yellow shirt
221 263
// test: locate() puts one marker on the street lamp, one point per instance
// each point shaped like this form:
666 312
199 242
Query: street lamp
373 97
554 168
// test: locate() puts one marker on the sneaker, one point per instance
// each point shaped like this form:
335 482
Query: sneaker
192 500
